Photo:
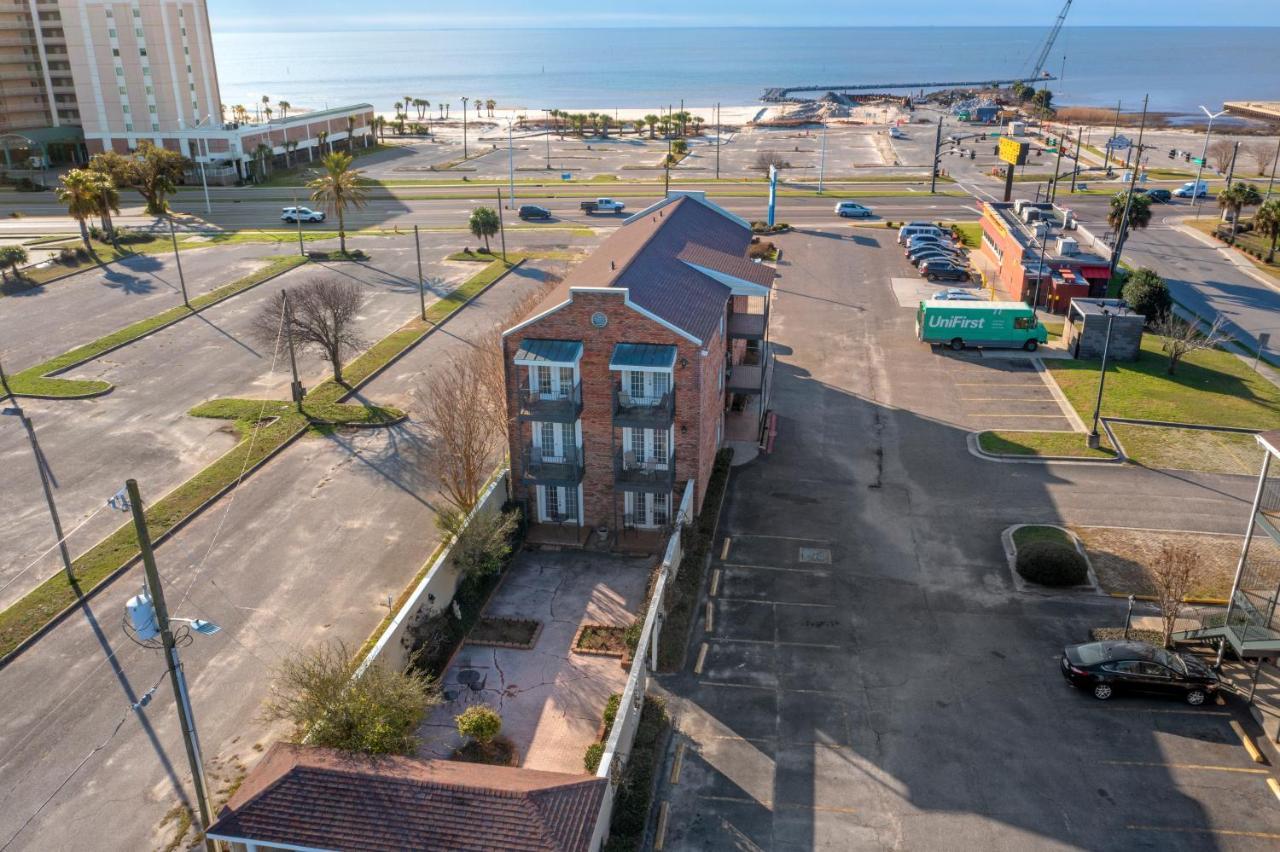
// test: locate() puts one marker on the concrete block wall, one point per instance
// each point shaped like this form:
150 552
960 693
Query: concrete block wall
699 401
1091 334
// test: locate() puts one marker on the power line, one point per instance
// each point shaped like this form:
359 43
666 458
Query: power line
57 543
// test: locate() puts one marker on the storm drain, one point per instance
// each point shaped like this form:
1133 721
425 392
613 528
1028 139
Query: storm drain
816 555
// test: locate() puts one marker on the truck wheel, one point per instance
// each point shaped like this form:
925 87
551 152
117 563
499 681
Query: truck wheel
1031 345
957 344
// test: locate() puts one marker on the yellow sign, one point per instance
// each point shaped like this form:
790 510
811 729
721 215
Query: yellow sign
1013 152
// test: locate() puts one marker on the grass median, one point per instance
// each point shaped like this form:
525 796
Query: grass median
37 381
103 253
276 424
1047 444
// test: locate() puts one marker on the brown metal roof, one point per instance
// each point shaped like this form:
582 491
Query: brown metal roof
650 257
326 799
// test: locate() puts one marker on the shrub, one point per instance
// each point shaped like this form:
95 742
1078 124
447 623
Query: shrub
479 722
611 712
591 760
762 250
1147 293
1050 563
632 635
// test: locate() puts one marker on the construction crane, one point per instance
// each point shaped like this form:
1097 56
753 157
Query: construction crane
1048 42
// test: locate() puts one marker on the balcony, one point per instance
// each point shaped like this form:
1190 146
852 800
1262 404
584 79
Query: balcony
549 407
747 326
564 470
649 475
653 412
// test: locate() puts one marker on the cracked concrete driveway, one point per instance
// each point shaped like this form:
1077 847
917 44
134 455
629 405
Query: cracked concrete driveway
551 699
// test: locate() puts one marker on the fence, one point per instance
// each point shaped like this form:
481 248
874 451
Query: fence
618 747
433 593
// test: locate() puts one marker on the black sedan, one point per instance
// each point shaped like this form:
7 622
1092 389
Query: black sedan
1105 668
533 211
1160 196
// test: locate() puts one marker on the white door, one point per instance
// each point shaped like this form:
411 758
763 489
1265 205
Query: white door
647 510
554 440
557 504
551 382
646 388
648 444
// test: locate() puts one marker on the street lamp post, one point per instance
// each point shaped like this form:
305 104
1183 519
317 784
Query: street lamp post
548 123
1094 439
822 158
464 127
511 163
204 183
1275 161
178 262
1195 189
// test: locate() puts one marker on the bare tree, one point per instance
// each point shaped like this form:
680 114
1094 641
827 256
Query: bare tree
458 412
1173 575
320 317
765 159
1182 337
1220 154
1263 154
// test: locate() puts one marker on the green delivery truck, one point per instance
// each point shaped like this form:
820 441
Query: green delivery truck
1008 325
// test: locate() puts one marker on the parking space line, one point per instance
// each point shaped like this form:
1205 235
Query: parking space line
779 603
783 537
724 551
820 571
1275 786
780 644
705 682
1225 832
1205 766
1168 710
702 659
1247 741
737 800
715 582
711 617
660 834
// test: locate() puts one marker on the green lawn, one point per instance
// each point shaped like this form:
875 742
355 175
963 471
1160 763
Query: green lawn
1190 449
1069 444
1248 244
103 253
970 232
1032 533
1210 388
40 605
35 381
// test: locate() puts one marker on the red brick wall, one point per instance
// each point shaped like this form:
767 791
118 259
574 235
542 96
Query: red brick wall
1011 280
699 403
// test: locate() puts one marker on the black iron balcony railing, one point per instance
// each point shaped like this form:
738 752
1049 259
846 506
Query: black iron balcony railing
650 411
634 474
543 467
564 406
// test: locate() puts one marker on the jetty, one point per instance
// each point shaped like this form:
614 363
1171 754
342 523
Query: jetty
779 95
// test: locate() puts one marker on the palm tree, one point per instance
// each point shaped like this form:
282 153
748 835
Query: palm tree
1233 200
420 105
322 137
266 110
408 102
265 100
81 191
698 121
605 121
290 145
651 120
262 155
284 106
484 223
490 104
109 196
1267 222
639 125
337 188
1139 213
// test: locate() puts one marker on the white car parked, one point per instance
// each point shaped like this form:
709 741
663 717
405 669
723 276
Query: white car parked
305 214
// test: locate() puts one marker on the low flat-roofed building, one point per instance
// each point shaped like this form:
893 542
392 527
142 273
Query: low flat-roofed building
1034 243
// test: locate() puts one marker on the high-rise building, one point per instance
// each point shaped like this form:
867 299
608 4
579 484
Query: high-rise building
36 88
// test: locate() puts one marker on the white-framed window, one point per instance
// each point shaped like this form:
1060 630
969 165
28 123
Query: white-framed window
659 445
647 445
647 510
557 504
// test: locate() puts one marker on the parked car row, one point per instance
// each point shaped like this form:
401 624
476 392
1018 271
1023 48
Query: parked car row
933 253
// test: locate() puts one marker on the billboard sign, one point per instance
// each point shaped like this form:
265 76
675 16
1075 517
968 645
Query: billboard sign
1013 152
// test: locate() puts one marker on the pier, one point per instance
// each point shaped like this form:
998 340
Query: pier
777 95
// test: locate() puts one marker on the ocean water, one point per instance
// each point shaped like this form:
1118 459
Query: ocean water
605 68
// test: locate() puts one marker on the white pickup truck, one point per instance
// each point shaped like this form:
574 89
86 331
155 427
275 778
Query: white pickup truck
602 205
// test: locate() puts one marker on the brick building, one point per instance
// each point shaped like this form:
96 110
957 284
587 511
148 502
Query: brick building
618 391
1018 236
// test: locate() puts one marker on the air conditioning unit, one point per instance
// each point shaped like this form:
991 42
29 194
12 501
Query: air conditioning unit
1031 214
1068 246
1018 204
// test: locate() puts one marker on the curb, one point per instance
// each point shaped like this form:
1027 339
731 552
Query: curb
73 272
144 335
106 581
1024 586
975 449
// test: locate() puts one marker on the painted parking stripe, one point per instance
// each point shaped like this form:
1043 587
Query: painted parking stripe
677 762
1204 766
1173 711
819 571
702 659
1224 832
780 603
779 644
660 834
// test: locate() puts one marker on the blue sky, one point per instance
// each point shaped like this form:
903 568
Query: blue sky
337 15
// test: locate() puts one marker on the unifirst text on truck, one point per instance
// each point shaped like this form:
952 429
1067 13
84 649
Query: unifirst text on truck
958 324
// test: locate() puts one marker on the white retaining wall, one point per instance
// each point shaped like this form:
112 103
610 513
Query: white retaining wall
440 581
623 734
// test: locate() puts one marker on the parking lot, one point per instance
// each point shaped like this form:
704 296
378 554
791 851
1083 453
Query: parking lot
866 675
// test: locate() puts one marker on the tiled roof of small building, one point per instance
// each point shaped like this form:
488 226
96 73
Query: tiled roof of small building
326 799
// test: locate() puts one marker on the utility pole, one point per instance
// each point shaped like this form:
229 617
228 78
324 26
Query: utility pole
1115 129
422 292
1128 201
1273 175
511 164
548 112
1275 162
1057 170
822 158
501 230
178 260
1076 171
1094 438
464 128
1231 168
176 677
301 248
40 467
295 388
937 153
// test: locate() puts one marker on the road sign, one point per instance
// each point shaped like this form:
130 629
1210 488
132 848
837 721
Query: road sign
1014 152
1199 161
1119 143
